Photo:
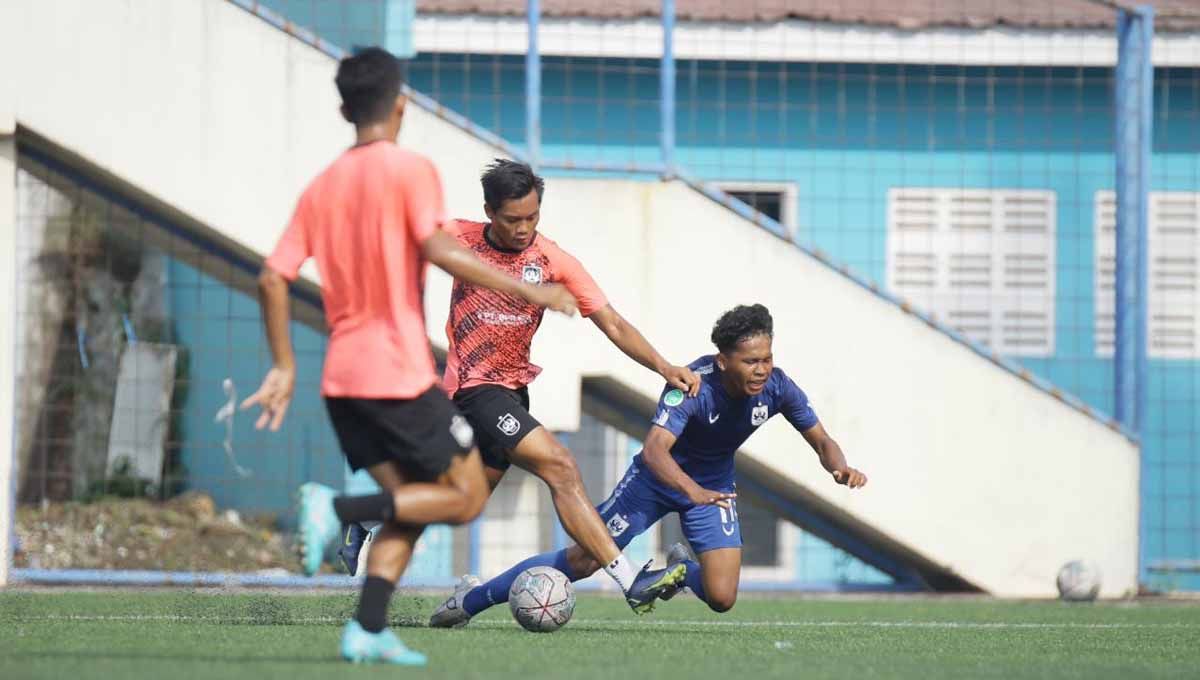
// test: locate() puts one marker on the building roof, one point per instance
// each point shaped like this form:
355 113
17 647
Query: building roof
1172 15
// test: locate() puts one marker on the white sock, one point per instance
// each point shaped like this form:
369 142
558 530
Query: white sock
622 572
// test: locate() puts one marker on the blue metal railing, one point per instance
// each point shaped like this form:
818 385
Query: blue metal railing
666 104
533 85
1134 103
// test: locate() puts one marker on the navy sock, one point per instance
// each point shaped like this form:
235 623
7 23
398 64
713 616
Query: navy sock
376 507
495 591
373 603
693 580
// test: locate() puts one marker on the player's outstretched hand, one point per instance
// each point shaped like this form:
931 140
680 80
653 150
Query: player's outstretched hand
850 477
273 396
710 497
553 296
683 378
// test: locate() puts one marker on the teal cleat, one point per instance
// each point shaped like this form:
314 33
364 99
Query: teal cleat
359 646
317 526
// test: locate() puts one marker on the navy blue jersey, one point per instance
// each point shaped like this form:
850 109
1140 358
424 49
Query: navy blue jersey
711 426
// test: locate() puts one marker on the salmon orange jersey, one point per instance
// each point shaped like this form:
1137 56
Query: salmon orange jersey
364 219
490 333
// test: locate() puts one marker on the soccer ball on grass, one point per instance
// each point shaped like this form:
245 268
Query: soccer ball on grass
541 599
1078 581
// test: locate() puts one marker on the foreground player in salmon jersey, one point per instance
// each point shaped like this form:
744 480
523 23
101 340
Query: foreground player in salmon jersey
687 466
371 220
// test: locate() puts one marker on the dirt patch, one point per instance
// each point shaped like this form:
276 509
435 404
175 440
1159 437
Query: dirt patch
187 533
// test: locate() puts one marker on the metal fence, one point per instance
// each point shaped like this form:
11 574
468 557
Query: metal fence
1019 172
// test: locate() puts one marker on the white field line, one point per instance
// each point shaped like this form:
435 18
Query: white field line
621 625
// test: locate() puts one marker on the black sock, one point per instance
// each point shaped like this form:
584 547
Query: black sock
373 603
376 507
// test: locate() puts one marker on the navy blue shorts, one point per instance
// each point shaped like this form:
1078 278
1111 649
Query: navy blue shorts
640 500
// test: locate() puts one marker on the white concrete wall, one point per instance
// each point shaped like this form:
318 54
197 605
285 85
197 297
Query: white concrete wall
200 103
8 345
795 41
8 67
8 218
224 117
968 464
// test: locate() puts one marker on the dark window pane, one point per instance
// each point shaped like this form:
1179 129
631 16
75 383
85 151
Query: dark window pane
769 203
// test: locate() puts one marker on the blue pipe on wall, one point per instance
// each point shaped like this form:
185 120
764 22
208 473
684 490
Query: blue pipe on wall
533 86
667 88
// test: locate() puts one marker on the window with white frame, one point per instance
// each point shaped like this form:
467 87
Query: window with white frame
980 261
1173 322
777 200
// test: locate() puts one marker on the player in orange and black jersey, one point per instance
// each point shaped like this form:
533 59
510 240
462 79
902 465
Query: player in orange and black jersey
488 367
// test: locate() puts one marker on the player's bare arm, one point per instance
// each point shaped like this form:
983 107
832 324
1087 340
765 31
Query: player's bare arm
656 454
275 393
832 458
630 340
444 250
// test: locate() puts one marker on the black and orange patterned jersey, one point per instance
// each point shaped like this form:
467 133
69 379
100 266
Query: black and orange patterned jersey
490 333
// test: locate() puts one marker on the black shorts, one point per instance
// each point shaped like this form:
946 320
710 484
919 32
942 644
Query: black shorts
500 417
424 435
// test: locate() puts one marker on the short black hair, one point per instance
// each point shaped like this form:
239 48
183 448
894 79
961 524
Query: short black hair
505 180
742 323
369 83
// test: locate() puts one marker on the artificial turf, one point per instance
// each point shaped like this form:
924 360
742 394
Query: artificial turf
215 634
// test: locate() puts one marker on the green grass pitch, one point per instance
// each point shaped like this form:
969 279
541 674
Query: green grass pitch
175 635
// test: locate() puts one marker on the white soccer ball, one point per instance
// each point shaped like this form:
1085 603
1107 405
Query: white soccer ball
1079 581
541 599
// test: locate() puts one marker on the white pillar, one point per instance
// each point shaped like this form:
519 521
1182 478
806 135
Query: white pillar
8 314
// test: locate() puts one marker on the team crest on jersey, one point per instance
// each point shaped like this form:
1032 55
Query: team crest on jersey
508 424
759 415
617 525
531 274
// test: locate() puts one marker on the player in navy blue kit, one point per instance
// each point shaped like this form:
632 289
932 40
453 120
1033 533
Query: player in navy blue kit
686 466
